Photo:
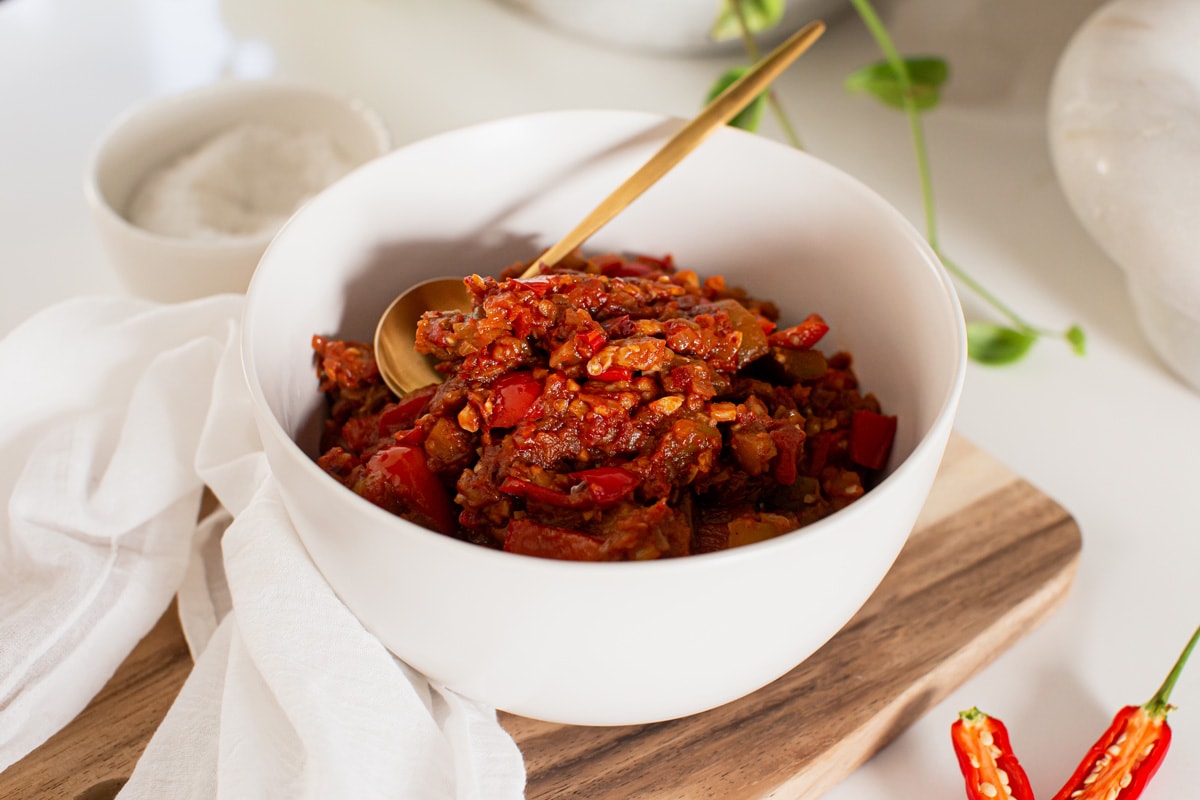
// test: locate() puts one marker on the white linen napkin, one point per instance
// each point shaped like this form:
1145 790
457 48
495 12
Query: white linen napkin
120 412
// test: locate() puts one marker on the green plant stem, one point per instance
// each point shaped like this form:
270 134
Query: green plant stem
773 103
884 41
1016 319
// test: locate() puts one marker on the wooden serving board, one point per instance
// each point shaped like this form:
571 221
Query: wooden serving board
990 557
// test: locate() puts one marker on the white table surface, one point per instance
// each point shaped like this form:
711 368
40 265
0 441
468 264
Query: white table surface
1114 437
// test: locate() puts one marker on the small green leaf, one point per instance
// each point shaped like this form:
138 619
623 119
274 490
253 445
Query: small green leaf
761 15
1078 340
926 75
993 344
749 117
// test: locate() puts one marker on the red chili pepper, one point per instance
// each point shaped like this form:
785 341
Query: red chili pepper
545 541
802 336
513 396
538 284
871 437
539 494
985 756
1125 758
607 485
404 412
614 374
417 488
602 486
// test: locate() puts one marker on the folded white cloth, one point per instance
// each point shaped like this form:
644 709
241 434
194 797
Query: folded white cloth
118 413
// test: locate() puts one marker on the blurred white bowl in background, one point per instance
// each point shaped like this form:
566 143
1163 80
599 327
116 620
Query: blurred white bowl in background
665 26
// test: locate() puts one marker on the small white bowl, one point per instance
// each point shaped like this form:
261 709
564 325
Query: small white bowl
609 643
173 268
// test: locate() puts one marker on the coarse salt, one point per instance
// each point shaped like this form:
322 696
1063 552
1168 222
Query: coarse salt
245 181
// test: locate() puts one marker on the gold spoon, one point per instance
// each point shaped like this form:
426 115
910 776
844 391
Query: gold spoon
404 369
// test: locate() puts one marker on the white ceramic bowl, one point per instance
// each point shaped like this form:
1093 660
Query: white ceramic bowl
610 643
173 268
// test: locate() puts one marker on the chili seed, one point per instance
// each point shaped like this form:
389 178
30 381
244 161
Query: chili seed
1126 779
1004 779
1113 750
974 759
987 789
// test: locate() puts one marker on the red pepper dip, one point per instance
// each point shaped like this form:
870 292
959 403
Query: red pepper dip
612 409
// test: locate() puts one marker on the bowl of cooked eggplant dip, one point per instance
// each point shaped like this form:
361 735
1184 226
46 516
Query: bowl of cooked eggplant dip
652 478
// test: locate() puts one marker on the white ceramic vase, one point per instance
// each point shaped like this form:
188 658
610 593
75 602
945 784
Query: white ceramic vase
1124 134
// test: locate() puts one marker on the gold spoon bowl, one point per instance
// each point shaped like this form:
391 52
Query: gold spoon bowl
404 369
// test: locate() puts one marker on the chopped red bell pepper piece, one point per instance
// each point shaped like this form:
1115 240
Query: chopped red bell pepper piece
871 437
546 541
513 396
539 494
802 336
787 441
417 488
614 374
404 412
602 486
607 485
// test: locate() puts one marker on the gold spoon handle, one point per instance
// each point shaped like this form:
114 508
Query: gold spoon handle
723 108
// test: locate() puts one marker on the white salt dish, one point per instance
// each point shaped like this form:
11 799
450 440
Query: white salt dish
1124 132
609 643
172 268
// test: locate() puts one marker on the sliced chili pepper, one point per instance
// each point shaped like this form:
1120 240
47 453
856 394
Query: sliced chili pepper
539 494
404 412
415 486
986 758
538 284
871 437
593 339
513 395
802 336
413 436
607 485
602 486
546 541
1126 756
614 374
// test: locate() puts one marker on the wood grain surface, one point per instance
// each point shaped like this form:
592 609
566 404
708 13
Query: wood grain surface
990 557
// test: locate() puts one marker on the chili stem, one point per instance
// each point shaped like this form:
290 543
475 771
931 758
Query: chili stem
1157 705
